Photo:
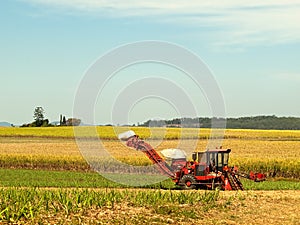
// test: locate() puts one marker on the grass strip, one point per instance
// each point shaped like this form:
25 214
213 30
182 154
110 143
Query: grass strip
67 179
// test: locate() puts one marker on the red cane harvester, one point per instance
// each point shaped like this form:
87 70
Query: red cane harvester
208 170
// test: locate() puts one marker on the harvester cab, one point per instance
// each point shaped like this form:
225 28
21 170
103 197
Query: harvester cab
215 160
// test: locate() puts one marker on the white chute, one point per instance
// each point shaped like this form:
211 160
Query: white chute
174 153
126 135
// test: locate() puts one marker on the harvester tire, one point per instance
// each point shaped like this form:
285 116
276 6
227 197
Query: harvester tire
188 182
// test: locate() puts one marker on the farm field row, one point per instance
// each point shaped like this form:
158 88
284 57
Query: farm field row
109 132
67 147
130 206
77 179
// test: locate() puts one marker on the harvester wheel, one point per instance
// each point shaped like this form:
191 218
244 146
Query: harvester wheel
188 182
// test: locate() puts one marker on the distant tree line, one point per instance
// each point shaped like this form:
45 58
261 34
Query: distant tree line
255 122
40 121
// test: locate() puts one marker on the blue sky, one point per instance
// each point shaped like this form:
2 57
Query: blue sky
252 48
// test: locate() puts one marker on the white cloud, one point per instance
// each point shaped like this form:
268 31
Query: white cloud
236 23
166 5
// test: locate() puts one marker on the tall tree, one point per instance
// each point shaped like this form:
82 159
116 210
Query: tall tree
64 121
38 116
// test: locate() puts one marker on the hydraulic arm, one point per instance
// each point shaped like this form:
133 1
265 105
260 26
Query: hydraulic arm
133 141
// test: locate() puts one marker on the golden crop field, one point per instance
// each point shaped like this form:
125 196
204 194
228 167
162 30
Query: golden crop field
109 132
55 147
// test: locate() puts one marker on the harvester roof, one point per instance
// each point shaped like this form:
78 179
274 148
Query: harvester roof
218 150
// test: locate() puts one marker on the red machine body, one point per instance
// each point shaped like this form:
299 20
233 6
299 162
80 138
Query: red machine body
208 170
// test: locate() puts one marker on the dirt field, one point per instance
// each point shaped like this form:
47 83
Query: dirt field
252 207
